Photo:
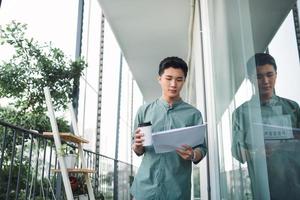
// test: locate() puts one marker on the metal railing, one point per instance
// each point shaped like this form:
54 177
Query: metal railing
26 160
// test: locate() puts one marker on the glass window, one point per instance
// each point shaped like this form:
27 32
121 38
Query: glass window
255 99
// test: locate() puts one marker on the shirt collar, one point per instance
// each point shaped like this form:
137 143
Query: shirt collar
271 102
166 104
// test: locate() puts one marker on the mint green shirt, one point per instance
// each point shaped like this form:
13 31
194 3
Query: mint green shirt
283 161
165 176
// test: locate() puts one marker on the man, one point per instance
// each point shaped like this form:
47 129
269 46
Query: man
278 119
166 176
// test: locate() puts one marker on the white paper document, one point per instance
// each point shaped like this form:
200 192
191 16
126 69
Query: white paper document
166 141
274 132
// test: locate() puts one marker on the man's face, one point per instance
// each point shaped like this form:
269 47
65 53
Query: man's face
266 78
171 82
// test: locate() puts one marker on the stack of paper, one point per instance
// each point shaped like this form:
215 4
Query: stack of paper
275 132
166 141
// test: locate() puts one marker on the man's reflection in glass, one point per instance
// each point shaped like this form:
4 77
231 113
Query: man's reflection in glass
279 121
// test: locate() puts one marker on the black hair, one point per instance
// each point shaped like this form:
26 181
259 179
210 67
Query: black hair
260 59
174 62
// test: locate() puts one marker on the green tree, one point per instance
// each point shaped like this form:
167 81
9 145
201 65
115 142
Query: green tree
33 67
31 120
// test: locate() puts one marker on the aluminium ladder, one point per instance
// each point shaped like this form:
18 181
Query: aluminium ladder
70 138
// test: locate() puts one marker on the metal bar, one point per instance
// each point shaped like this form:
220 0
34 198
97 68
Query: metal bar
44 160
19 171
99 105
117 132
297 26
131 132
202 26
20 129
58 181
11 166
2 149
49 166
79 28
101 178
44 157
75 92
58 191
36 168
28 173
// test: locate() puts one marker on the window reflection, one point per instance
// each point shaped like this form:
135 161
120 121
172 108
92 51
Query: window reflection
265 131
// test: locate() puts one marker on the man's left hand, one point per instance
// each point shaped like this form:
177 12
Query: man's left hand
186 152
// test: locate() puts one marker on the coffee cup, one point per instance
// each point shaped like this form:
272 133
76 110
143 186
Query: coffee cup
147 133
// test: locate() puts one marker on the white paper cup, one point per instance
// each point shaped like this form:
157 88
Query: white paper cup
147 132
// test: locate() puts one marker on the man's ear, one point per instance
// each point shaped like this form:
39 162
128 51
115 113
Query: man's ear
158 78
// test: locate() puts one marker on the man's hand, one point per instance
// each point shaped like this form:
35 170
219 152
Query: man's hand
187 153
137 145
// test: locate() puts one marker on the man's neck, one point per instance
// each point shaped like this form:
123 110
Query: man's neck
265 98
171 101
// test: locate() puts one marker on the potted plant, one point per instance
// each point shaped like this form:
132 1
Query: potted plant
70 156
81 191
70 159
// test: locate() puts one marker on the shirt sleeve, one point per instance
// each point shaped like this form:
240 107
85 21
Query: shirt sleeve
137 120
238 146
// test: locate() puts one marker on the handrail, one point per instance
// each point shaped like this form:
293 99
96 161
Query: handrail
27 161
41 135
20 128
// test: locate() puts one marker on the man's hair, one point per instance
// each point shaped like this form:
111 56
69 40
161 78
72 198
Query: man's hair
174 62
260 59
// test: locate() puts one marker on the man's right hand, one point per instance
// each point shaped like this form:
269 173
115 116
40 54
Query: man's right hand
137 145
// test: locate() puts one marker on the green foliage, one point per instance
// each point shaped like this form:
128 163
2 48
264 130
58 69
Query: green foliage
23 77
32 120
14 171
33 67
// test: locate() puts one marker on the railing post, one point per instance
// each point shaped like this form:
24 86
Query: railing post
116 170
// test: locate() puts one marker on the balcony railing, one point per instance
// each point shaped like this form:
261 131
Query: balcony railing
26 160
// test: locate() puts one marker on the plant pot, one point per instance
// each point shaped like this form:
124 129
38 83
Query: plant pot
70 160
83 197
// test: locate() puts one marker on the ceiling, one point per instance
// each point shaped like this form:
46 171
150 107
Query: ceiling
147 31
266 18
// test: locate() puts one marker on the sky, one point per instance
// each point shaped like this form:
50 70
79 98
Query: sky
60 28
55 18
